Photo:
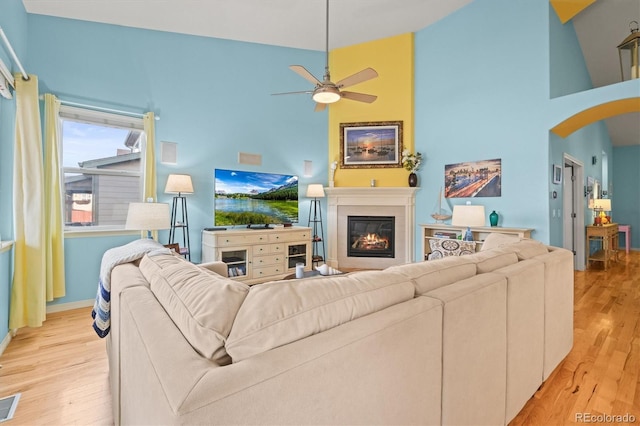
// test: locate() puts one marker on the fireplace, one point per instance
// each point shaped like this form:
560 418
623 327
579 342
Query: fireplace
371 236
342 202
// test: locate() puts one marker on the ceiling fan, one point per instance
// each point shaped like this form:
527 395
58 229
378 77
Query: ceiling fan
325 91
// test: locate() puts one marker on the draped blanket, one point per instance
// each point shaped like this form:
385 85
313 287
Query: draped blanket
101 312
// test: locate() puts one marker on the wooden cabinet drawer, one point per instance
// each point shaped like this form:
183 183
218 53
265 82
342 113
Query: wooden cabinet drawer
267 260
262 249
237 240
286 237
268 271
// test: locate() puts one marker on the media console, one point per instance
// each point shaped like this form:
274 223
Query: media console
254 256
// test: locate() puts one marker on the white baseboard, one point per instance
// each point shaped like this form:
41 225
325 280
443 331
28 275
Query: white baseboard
69 306
5 342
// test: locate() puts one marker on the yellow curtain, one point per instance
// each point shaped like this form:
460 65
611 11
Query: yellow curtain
150 190
53 196
28 296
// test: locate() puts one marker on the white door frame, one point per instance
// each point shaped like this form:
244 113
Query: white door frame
578 207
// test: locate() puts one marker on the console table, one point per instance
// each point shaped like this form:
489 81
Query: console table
439 230
606 236
258 255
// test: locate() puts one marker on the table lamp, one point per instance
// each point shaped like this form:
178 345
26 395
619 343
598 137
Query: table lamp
601 205
468 215
148 217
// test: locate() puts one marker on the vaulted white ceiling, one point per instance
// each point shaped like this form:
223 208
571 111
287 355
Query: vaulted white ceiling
301 24
290 23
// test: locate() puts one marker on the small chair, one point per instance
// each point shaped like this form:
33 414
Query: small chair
627 236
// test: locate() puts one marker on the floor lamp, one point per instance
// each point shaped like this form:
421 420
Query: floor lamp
180 184
315 191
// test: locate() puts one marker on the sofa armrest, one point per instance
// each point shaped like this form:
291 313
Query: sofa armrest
216 266
381 368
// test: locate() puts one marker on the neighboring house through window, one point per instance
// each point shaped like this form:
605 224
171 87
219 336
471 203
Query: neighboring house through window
102 160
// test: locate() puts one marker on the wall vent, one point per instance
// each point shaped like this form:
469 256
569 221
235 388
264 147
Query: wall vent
251 159
8 407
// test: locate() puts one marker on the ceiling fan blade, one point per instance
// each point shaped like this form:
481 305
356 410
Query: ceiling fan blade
320 107
308 92
360 97
302 71
359 77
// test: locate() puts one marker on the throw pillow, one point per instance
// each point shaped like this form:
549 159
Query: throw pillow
203 305
495 239
443 247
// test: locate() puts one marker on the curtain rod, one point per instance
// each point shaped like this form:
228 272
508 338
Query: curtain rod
115 111
97 108
25 76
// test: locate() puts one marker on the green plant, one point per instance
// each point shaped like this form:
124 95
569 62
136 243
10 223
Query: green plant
410 161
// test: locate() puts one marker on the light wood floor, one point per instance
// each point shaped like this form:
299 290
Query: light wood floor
61 368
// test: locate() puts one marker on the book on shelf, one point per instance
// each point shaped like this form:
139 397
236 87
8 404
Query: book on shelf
236 271
443 234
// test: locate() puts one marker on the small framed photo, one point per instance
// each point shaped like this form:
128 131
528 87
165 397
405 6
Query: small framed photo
370 145
557 174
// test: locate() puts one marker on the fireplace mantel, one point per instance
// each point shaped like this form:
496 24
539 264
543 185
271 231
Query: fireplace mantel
400 201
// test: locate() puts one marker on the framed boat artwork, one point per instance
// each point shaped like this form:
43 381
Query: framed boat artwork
371 145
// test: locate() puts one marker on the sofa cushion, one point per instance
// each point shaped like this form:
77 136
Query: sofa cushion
281 312
527 249
202 304
428 276
495 240
490 260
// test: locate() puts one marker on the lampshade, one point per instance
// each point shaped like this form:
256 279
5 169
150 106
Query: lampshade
148 216
603 204
468 215
315 190
179 184
326 95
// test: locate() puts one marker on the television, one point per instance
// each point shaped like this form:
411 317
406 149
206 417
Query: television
254 198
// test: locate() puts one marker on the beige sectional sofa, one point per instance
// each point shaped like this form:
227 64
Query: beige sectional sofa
464 340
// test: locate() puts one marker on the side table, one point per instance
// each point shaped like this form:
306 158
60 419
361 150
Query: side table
627 236
607 237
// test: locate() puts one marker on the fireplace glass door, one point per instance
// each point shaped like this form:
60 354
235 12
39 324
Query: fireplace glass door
371 236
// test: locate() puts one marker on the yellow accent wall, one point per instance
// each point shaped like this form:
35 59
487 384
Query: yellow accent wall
567 9
392 58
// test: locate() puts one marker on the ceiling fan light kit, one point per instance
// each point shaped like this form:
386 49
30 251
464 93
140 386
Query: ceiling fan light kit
325 91
326 95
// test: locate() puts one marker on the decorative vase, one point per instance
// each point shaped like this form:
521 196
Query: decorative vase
413 180
468 235
493 218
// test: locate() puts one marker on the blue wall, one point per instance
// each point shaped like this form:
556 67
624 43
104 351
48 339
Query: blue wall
486 98
497 95
626 190
213 97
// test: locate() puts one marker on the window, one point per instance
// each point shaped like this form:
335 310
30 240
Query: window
102 160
